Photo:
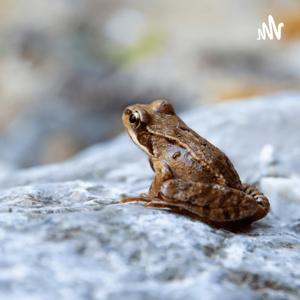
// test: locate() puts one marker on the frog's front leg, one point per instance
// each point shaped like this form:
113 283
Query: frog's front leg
162 173
141 198
209 202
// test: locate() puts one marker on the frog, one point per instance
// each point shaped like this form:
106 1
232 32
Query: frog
192 177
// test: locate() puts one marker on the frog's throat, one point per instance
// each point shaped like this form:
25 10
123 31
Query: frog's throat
136 141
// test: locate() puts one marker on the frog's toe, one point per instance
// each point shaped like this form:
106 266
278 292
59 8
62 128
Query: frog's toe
135 199
156 204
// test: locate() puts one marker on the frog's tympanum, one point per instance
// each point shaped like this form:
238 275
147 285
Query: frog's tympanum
192 176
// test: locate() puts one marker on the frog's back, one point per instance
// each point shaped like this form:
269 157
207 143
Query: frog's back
213 163
213 158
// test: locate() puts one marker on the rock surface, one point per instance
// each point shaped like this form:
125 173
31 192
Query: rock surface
64 236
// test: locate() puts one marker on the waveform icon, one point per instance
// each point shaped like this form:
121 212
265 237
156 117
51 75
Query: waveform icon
270 29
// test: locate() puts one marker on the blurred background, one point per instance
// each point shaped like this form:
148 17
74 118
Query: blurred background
69 67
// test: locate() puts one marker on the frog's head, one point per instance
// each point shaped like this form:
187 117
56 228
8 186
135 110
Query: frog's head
137 119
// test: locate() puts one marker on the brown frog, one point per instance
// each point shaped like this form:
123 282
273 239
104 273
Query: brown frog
192 176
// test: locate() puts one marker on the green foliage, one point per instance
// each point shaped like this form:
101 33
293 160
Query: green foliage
147 45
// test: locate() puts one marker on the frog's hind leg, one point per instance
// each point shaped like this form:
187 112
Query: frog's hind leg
216 203
158 203
183 209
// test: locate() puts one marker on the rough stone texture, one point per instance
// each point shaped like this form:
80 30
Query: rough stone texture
64 235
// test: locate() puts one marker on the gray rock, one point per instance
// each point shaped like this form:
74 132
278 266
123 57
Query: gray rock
65 236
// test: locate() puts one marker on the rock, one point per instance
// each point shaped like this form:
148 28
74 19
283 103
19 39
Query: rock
64 235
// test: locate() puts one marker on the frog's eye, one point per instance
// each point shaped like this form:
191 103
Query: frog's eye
135 119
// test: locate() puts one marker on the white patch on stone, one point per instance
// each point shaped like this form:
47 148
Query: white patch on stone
287 189
266 156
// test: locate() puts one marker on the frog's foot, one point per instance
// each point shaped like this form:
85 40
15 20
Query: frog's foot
261 200
176 208
140 198
212 202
